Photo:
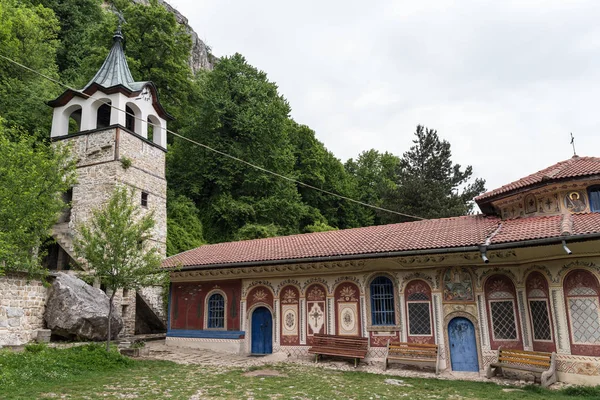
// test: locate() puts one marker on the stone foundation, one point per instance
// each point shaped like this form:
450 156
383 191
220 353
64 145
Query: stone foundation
22 305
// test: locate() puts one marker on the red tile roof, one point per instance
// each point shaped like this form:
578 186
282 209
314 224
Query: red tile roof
571 168
409 236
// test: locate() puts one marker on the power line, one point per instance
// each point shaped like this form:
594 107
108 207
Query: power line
213 149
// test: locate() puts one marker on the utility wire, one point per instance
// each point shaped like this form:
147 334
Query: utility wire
213 149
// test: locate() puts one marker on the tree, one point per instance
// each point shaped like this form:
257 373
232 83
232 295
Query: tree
184 228
375 175
116 245
32 178
318 167
239 112
28 35
429 185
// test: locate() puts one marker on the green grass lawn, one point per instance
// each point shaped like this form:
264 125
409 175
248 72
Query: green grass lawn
89 373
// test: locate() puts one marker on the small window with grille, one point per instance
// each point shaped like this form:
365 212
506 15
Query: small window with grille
382 301
418 304
539 310
144 199
583 308
500 294
216 311
594 196
503 319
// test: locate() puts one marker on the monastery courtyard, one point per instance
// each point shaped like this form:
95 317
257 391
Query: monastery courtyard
182 373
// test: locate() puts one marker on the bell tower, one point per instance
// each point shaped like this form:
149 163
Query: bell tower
117 129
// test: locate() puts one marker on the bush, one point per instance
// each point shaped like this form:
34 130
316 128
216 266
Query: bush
39 363
588 392
35 347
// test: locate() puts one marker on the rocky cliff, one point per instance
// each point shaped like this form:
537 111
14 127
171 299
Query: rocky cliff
200 58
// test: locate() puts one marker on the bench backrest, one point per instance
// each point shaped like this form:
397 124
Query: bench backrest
416 350
536 358
349 342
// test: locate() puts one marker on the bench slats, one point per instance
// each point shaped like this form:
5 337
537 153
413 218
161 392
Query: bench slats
412 352
341 346
522 360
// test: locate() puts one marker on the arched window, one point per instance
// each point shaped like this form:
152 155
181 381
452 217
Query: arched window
216 311
103 116
594 196
382 301
502 312
539 312
129 119
418 306
582 296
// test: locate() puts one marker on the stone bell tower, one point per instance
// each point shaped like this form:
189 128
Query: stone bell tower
117 128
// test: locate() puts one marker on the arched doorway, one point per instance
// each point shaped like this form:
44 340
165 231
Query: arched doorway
463 345
262 331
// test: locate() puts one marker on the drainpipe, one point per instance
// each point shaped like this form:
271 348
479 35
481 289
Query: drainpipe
567 250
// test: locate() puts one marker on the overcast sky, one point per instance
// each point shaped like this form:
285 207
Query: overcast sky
503 81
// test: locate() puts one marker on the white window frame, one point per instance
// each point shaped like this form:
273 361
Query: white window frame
545 300
428 302
512 301
206 304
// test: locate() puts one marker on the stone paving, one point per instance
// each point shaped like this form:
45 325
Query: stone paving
182 355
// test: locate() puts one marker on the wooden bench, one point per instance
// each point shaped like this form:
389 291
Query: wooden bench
412 352
340 346
535 362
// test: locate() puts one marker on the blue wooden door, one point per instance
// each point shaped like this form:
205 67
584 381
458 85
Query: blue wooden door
262 331
463 345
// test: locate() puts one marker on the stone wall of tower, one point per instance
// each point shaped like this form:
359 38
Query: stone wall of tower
101 166
100 155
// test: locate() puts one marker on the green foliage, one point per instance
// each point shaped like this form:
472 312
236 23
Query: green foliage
318 167
375 175
33 176
184 228
28 35
35 347
429 185
319 227
241 113
116 244
158 50
41 364
256 231
126 162
80 21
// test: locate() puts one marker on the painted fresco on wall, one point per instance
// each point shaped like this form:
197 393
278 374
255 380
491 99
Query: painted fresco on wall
259 295
316 314
347 303
188 303
458 285
289 300
530 204
575 201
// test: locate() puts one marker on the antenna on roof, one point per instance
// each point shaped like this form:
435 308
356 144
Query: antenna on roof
573 143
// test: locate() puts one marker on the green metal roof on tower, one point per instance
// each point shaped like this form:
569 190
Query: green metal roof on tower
115 71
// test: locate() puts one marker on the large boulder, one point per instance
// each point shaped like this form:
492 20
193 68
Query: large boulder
76 310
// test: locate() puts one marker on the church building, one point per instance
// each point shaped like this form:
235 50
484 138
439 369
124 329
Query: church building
525 275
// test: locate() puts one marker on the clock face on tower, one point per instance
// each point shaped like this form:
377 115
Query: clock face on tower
145 94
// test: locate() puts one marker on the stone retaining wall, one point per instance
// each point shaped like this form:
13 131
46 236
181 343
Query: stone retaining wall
22 305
